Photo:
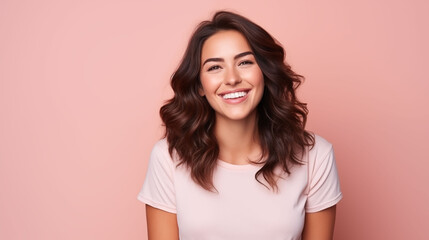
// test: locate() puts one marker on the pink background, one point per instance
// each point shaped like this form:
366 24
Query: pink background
81 83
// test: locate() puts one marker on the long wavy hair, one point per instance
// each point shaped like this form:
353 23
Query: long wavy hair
189 119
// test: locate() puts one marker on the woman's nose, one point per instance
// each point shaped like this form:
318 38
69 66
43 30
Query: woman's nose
232 77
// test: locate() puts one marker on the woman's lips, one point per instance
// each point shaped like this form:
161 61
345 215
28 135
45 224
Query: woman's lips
235 96
246 90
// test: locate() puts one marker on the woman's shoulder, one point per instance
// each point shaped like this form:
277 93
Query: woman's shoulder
321 149
321 144
160 152
161 145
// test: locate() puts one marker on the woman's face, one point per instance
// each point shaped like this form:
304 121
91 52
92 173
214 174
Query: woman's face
231 79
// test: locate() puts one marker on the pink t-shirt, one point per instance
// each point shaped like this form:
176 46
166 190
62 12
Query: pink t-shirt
242 208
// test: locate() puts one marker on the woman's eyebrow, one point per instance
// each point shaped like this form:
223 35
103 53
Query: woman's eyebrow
221 59
242 54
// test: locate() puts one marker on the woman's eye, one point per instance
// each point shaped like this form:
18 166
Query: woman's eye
215 67
245 63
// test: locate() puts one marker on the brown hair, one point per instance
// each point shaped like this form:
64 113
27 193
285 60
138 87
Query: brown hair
189 119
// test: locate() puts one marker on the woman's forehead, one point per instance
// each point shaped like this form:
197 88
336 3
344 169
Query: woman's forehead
224 44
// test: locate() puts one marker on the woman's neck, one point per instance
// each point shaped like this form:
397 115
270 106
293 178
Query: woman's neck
238 140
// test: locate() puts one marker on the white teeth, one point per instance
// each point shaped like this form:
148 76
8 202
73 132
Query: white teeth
234 95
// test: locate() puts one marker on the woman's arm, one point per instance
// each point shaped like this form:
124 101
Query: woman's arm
319 225
161 225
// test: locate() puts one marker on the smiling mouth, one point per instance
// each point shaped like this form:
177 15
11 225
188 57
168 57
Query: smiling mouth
234 95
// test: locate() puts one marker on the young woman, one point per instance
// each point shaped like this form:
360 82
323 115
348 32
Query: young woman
236 161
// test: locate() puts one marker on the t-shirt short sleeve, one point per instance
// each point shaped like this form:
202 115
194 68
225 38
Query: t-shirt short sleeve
323 184
158 189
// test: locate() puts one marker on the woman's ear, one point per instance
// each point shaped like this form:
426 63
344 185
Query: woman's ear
201 91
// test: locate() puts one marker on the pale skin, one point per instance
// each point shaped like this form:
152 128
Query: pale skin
228 64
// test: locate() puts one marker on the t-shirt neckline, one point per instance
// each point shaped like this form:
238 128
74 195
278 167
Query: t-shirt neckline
228 165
